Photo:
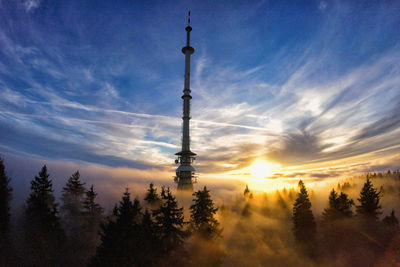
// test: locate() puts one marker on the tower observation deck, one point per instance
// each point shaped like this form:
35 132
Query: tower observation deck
185 173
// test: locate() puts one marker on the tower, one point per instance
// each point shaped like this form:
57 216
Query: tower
185 173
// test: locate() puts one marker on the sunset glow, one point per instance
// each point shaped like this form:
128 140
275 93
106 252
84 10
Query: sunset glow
263 169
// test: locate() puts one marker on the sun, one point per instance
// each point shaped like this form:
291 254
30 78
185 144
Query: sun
262 168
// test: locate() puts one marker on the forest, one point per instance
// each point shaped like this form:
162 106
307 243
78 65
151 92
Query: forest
352 224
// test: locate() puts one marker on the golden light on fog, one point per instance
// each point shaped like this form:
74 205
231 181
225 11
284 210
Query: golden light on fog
262 168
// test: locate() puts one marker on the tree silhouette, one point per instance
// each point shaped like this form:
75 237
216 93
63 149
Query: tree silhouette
169 222
92 217
339 207
42 229
72 208
152 198
119 237
149 251
202 215
247 193
304 224
391 221
92 211
5 197
369 207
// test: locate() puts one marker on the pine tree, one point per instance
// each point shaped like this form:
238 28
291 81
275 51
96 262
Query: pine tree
42 229
304 224
369 208
202 215
152 198
169 223
72 208
339 207
149 246
92 217
120 245
92 211
5 197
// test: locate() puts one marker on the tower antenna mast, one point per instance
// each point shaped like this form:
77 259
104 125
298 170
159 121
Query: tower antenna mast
185 173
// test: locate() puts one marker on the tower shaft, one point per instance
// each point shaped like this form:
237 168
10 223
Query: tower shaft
185 173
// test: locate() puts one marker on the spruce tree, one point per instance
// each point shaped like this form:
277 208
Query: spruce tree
202 215
169 223
339 207
42 229
72 208
152 198
303 219
369 207
92 217
119 236
5 197
149 251
92 211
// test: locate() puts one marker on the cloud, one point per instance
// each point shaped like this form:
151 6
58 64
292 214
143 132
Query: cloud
384 125
297 148
30 5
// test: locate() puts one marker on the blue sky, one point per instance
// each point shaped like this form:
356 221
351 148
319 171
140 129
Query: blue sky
310 85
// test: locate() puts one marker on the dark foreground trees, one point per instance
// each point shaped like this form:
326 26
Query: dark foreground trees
72 205
133 237
169 222
202 215
5 197
92 212
118 236
304 228
42 232
159 236
339 207
369 208
152 198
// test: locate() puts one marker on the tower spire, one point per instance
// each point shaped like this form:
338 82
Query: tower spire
185 173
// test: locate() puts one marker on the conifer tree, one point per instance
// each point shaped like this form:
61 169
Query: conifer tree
92 217
152 198
369 207
92 211
202 215
149 251
304 224
169 222
42 229
5 197
339 207
119 245
72 208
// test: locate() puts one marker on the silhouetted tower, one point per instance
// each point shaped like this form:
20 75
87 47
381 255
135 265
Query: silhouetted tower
185 173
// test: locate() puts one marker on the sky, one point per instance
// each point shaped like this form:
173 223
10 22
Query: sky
281 90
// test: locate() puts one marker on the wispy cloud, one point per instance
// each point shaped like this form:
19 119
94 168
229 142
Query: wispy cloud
30 5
